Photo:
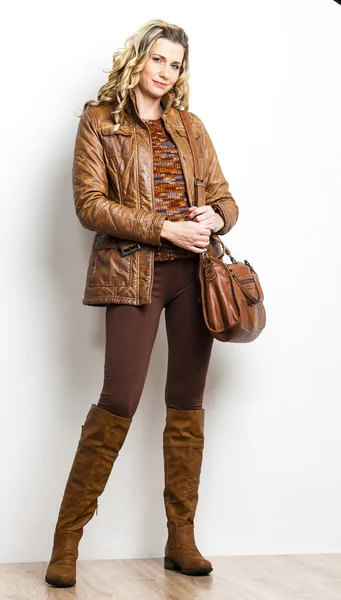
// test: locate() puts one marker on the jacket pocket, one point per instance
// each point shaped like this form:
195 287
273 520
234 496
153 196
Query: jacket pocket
107 266
180 129
117 143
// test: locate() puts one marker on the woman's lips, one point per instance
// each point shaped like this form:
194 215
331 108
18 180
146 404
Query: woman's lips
159 84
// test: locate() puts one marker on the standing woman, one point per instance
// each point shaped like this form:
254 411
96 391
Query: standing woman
133 184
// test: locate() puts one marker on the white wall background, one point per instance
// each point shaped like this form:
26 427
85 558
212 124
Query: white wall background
266 83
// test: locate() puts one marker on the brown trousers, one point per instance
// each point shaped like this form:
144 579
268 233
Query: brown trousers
130 336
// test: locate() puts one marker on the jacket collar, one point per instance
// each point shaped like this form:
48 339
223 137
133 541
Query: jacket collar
131 106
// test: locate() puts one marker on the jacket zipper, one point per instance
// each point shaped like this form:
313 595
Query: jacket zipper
185 175
153 203
151 170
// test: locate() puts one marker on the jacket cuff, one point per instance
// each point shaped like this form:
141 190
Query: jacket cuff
154 232
218 209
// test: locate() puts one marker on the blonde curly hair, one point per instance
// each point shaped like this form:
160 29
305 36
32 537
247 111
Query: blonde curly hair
129 61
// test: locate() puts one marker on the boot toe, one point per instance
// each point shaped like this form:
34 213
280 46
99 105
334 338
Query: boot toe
189 567
61 575
59 584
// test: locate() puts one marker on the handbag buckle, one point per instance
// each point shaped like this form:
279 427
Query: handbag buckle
198 181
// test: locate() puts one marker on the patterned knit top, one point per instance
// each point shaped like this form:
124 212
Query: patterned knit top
170 196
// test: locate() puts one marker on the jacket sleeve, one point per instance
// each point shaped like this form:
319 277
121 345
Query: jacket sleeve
217 188
90 192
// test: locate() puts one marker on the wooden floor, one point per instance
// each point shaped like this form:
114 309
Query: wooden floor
275 577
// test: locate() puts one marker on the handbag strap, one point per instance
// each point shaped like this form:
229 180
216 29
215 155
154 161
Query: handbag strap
200 201
199 185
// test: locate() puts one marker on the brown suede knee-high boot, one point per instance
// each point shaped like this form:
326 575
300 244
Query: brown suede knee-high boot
102 437
183 444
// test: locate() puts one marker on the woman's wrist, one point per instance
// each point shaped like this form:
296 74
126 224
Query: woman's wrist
222 223
166 227
218 212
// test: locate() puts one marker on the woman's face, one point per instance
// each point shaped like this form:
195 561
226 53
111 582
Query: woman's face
163 65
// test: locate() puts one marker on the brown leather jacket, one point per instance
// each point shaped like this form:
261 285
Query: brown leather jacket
112 178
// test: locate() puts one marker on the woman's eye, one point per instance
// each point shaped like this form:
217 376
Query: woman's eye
158 58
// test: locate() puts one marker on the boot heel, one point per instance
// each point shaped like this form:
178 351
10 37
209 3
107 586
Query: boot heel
169 564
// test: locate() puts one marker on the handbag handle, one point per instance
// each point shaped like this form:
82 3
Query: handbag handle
247 294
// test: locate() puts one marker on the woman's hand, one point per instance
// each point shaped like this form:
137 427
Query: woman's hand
206 216
187 234
195 233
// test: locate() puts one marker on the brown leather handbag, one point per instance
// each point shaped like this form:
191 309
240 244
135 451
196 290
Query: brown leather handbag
231 295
